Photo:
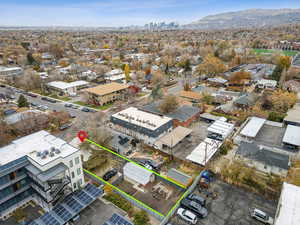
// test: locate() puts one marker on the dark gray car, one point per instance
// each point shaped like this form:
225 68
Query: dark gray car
194 207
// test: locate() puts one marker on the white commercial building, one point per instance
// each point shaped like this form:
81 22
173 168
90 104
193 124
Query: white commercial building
38 167
142 125
10 71
288 209
64 88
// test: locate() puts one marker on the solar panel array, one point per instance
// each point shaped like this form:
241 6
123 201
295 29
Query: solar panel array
48 219
117 219
73 204
93 190
62 212
70 207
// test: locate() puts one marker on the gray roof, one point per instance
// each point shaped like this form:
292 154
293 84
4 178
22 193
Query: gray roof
179 176
254 152
183 113
292 135
247 99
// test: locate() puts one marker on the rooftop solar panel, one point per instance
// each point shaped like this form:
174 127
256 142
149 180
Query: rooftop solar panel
84 198
63 213
49 219
73 204
93 190
116 219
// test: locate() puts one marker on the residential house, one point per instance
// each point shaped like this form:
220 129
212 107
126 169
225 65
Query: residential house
246 101
191 96
264 160
183 116
107 93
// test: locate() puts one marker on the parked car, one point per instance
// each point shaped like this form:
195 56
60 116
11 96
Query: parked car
68 105
72 116
194 207
261 216
84 109
187 215
65 126
32 94
43 107
49 99
74 106
215 137
108 175
33 104
197 198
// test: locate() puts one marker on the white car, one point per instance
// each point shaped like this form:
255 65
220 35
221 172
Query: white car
187 215
261 216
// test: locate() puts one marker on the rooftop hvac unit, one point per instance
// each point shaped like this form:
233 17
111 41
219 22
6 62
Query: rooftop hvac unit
52 154
38 154
57 151
52 149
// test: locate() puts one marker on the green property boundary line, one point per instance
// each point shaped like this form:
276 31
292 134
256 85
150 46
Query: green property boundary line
123 192
129 160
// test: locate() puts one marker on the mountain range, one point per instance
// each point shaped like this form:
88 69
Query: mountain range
251 18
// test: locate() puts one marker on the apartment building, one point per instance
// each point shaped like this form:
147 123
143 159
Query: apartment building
38 167
142 125
106 93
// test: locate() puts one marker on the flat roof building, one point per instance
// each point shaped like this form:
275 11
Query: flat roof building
292 136
142 125
288 209
39 167
10 71
64 88
253 127
293 116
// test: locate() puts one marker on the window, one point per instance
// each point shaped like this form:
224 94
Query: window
77 160
74 185
79 183
71 163
73 174
78 171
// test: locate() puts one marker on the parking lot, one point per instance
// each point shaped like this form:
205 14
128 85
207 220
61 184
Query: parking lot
98 213
231 207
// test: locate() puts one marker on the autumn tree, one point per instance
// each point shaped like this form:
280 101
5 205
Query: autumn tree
169 104
127 72
211 66
141 218
239 76
282 65
282 100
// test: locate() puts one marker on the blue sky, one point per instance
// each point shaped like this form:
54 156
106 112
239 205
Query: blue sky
121 12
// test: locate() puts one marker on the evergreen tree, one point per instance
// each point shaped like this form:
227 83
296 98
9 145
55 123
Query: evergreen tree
22 102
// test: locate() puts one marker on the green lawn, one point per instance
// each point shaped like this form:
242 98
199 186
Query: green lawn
60 98
285 52
104 107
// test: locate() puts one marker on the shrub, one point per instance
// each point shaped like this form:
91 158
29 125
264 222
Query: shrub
120 202
141 218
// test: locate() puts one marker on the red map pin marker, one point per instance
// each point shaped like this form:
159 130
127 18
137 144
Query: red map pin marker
82 135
